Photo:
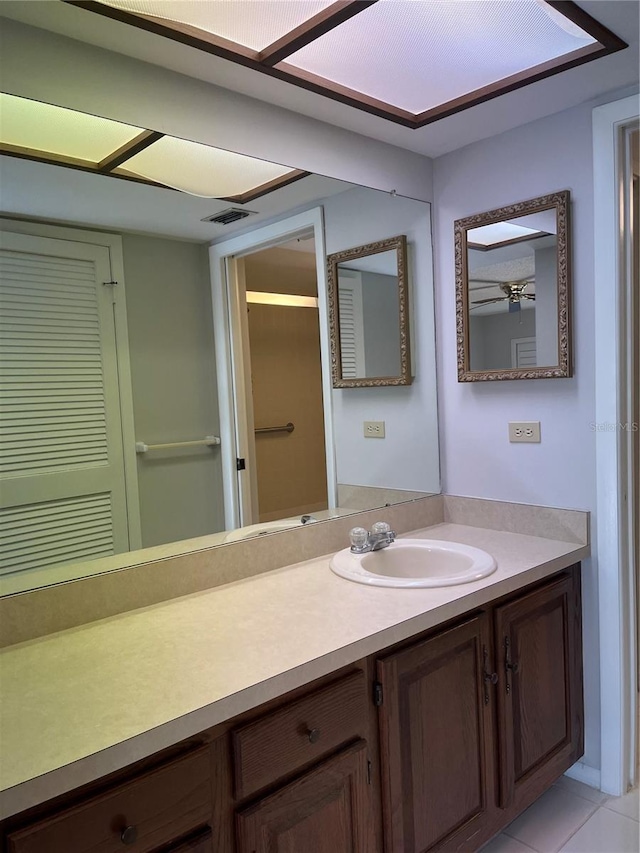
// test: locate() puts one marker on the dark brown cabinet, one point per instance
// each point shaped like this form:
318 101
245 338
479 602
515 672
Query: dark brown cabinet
328 810
433 745
168 806
540 690
437 738
465 746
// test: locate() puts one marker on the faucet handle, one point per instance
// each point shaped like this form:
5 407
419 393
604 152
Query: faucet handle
381 527
358 537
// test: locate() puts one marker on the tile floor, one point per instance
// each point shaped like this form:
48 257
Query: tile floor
573 818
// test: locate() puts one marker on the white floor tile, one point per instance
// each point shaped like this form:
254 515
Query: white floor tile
551 820
605 832
628 805
504 844
581 790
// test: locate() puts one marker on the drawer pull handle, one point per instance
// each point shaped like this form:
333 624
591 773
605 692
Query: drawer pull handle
313 735
129 835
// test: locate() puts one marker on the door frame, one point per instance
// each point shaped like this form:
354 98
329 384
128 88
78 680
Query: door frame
235 423
615 562
113 243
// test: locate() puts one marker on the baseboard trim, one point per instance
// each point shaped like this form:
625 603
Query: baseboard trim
585 774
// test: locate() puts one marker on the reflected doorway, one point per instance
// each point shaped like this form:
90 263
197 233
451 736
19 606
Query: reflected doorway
229 261
283 360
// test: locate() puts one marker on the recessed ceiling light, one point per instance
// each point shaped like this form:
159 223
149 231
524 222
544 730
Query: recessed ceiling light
499 232
238 22
418 55
201 170
283 299
51 134
35 126
412 62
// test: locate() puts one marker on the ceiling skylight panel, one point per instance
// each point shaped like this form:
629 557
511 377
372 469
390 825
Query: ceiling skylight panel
43 127
201 170
419 54
255 24
499 232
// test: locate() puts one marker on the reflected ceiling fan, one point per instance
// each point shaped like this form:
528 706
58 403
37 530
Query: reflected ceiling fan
514 292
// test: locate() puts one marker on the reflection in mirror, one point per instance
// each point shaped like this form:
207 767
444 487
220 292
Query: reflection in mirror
513 291
368 313
165 494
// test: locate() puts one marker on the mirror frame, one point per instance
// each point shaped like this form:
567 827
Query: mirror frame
560 201
404 378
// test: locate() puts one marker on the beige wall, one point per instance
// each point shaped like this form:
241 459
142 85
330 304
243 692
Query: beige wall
174 386
287 386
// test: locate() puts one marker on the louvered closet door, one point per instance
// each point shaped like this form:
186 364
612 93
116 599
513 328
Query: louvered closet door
351 324
62 488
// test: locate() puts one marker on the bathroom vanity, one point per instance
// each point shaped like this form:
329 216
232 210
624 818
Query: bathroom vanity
453 711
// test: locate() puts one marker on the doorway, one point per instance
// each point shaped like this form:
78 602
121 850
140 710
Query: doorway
282 352
616 332
246 457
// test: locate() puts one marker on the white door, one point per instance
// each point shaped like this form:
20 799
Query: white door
62 483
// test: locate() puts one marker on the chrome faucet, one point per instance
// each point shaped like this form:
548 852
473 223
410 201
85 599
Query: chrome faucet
380 536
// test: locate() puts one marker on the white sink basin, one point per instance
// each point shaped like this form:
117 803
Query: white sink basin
415 563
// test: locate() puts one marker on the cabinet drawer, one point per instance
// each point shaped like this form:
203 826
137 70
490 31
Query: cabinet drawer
291 737
152 810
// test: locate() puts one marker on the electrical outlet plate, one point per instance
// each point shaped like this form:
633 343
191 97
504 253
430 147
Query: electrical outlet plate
521 431
373 429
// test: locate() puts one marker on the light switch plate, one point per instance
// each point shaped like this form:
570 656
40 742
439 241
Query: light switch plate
373 429
528 431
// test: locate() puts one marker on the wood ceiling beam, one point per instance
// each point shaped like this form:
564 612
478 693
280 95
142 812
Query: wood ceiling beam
128 150
325 21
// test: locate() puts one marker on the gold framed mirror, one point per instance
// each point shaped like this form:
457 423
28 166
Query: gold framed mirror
513 283
368 293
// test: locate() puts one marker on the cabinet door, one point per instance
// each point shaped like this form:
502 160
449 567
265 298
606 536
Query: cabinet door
328 810
540 692
436 741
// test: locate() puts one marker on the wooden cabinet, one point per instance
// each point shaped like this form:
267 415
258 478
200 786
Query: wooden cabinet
436 733
312 761
465 747
328 810
442 741
540 689
169 805
301 732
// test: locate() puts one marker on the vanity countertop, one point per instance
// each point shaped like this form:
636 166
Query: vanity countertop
82 703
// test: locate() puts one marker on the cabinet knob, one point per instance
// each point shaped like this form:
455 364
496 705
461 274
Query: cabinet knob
313 735
129 835
514 667
491 676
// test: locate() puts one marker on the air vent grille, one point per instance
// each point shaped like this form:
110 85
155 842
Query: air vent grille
231 214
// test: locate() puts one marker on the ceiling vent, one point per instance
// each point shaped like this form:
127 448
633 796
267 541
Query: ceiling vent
231 214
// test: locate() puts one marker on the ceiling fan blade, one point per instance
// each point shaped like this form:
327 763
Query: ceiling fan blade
528 296
501 281
489 301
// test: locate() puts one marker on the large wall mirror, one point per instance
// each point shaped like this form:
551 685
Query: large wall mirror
369 315
306 456
513 291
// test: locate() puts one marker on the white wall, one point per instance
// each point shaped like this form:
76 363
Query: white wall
477 459
40 65
408 457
